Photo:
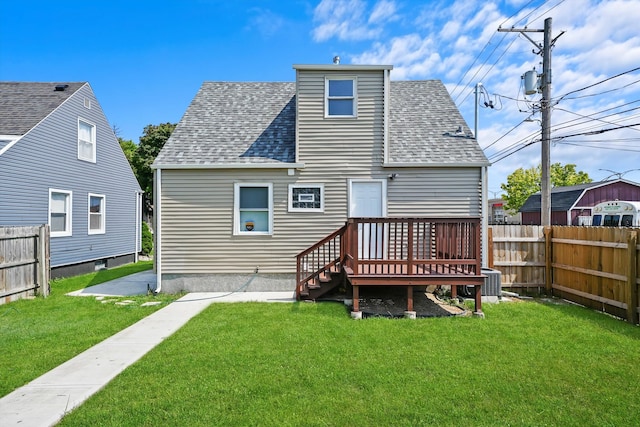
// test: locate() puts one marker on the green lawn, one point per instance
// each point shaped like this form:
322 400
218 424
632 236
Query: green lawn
39 334
529 363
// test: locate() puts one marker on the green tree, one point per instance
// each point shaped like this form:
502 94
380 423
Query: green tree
129 149
151 142
522 183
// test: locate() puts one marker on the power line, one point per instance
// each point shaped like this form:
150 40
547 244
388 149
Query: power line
591 118
595 132
625 148
512 129
547 11
467 86
606 91
598 83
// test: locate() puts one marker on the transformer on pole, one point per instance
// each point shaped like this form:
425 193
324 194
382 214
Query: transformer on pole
544 84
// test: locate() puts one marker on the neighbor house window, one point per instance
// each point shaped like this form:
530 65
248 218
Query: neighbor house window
96 214
253 208
86 141
341 98
60 213
306 198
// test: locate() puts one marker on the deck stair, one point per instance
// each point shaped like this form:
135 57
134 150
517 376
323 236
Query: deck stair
393 252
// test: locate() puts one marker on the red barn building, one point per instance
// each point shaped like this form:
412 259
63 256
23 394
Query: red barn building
572 205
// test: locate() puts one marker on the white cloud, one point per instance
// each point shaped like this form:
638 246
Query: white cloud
265 21
458 42
350 20
383 11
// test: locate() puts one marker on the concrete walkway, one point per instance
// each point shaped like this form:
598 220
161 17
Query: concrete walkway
45 400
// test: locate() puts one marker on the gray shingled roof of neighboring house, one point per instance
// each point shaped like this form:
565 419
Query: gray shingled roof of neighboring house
24 104
242 123
423 124
235 123
562 198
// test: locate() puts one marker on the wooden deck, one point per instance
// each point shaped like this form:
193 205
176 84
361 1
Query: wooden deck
395 252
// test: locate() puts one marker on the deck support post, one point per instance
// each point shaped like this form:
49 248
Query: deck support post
478 300
409 298
356 298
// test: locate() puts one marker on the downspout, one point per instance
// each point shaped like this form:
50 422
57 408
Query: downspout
484 208
485 219
137 235
157 214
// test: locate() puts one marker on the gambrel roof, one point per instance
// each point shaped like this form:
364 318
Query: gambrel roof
24 104
253 123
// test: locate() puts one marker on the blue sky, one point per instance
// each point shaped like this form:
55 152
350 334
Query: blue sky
145 60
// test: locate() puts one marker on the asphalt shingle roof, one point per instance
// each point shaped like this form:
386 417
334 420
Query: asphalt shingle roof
423 123
241 123
24 104
235 123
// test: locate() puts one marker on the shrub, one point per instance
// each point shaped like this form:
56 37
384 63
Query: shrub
147 239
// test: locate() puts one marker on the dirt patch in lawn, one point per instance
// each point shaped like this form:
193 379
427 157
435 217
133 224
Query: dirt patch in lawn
377 301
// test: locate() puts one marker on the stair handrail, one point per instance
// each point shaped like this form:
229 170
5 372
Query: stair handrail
300 280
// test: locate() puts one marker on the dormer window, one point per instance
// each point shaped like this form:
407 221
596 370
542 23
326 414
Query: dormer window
341 100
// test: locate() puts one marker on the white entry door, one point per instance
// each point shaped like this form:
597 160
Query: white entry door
367 200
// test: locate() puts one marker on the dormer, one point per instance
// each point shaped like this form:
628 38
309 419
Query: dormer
341 106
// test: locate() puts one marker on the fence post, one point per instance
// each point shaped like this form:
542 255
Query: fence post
43 276
548 260
490 247
632 286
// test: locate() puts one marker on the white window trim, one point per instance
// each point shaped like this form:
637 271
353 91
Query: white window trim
69 221
103 214
306 185
354 80
237 230
93 137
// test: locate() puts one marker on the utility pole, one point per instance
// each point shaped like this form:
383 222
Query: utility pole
545 109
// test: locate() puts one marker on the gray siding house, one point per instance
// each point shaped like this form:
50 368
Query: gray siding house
61 164
255 173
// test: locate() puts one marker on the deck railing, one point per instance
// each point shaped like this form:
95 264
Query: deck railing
392 247
413 246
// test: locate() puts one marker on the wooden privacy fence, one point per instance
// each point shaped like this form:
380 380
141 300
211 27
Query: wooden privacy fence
24 262
595 266
518 252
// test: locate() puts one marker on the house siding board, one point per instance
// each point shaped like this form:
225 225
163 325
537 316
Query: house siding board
197 224
353 144
197 215
441 192
46 157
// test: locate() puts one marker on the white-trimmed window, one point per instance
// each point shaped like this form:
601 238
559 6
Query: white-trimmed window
86 141
306 198
97 214
341 99
60 203
253 208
